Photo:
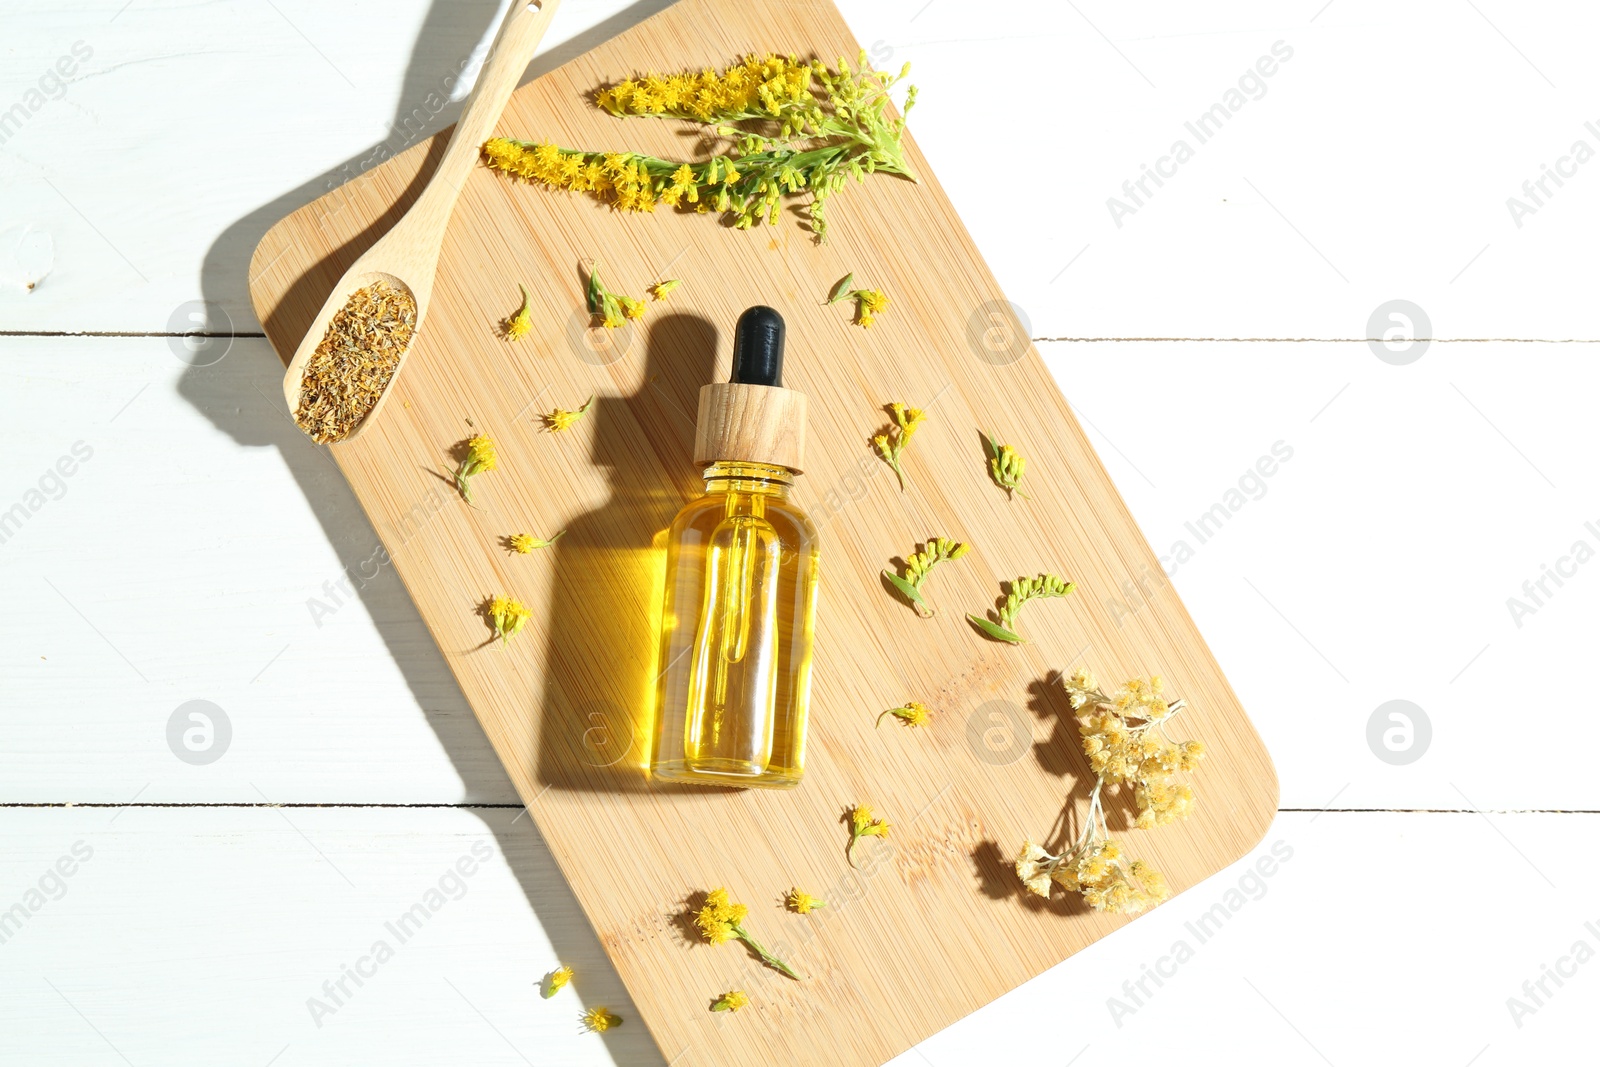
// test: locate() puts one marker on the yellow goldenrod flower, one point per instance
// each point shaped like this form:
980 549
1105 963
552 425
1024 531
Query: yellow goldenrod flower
660 289
720 920
560 419
516 327
819 127
556 981
912 713
732 1000
1003 626
480 457
863 824
801 903
920 564
893 442
525 543
1006 466
599 1020
508 616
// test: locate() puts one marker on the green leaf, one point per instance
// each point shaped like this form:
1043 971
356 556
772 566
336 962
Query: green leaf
910 592
994 449
841 288
595 291
994 630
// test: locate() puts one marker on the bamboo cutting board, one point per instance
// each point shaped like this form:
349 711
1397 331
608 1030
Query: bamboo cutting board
933 925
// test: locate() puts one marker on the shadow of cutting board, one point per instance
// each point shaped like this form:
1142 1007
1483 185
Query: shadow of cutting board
933 924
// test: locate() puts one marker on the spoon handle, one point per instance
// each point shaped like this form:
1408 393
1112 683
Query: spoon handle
508 58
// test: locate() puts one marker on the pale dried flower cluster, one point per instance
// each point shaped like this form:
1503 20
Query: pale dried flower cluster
1124 736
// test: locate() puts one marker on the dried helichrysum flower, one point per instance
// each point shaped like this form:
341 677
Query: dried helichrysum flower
1125 740
1124 737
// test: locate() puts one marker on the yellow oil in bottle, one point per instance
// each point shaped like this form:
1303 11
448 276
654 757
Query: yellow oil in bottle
736 633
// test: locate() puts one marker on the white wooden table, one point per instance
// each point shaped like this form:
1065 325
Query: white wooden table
166 536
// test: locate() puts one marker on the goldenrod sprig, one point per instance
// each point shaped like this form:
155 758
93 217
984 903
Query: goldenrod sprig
862 824
516 326
508 616
1006 466
610 309
893 441
869 302
721 920
524 543
732 1000
561 419
832 124
1125 740
912 713
1003 628
659 290
919 565
480 457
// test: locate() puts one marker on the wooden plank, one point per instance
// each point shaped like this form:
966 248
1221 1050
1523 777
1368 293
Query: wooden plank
564 705
1206 256
194 937
198 474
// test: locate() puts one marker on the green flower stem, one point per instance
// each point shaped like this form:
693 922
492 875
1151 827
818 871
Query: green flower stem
766 957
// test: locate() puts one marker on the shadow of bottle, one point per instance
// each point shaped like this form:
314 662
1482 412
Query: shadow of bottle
238 392
595 713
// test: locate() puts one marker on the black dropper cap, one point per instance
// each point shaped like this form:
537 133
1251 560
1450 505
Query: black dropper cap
758 347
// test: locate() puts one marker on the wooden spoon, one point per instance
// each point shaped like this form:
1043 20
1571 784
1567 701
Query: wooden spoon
408 255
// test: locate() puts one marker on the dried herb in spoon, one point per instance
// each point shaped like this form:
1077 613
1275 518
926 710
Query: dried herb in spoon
351 367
